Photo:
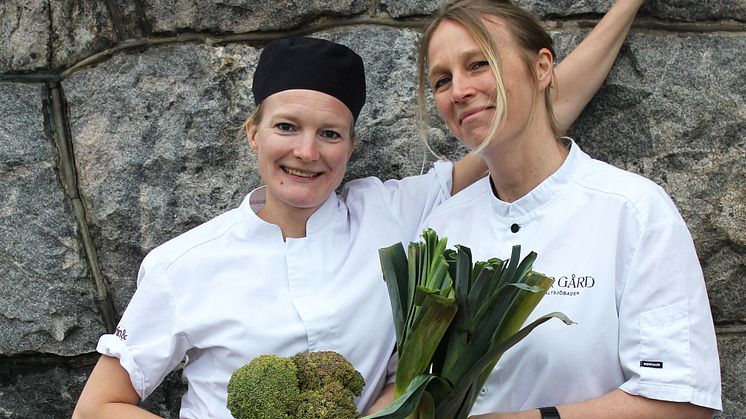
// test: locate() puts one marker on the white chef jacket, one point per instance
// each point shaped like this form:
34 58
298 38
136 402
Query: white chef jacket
232 289
625 270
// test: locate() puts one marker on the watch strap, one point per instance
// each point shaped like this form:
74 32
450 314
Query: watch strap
549 412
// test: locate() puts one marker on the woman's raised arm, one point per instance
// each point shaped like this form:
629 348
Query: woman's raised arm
580 74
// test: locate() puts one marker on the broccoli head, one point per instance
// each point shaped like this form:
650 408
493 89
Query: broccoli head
265 388
315 385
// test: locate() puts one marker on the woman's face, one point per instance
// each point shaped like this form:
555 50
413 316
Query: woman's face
303 143
464 85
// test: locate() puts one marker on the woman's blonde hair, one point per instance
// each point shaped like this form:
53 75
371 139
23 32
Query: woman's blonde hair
526 30
254 117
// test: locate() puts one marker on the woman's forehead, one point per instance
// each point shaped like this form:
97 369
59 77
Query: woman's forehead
308 104
501 33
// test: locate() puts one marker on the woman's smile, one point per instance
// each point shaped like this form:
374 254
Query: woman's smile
474 114
300 173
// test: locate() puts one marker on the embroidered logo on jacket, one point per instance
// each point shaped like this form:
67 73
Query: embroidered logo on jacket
121 333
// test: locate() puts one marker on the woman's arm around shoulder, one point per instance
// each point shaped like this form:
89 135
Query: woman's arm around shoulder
615 405
109 393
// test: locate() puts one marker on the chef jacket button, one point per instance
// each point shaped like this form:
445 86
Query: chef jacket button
514 228
483 390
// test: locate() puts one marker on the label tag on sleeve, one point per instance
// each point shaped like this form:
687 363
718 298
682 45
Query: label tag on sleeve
651 364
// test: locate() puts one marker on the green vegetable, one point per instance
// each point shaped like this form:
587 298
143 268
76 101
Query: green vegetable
453 321
265 388
314 385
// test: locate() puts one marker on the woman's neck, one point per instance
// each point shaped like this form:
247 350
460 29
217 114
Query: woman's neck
291 221
520 165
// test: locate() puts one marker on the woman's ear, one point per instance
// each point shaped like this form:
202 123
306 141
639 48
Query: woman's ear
544 68
251 135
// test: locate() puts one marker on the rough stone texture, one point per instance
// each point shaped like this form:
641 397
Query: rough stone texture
133 23
155 146
732 347
234 16
50 392
681 10
542 8
696 10
40 392
406 8
47 305
678 10
555 8
24 35
78 29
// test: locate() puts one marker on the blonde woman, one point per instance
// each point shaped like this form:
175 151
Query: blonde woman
625 266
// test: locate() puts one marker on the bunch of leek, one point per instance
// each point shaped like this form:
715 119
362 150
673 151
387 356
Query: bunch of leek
453 321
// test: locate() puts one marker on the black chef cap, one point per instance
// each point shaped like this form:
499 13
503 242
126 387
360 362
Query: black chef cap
313 64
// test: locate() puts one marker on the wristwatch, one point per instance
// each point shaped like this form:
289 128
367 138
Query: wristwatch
549 412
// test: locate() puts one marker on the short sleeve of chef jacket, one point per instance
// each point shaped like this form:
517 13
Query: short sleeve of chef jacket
151 307
667 344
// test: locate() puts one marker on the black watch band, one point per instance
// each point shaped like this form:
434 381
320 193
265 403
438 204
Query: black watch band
550 412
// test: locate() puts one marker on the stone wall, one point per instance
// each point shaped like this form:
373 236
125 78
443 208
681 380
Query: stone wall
117 132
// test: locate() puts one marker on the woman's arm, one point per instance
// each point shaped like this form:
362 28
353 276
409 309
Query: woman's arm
467 170
384 399
580 74
615 405
108 393
578 77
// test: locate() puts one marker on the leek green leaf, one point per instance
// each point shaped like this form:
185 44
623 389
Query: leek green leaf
394 268
428 329
407 403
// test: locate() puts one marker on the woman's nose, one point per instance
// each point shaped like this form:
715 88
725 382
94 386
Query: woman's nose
461 88
307 148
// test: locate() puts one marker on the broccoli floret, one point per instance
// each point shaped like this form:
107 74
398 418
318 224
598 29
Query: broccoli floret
315 385
265 388
318 369
331 401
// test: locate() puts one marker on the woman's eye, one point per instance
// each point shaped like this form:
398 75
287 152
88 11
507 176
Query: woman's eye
442 81
330 135
284 126
479 64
